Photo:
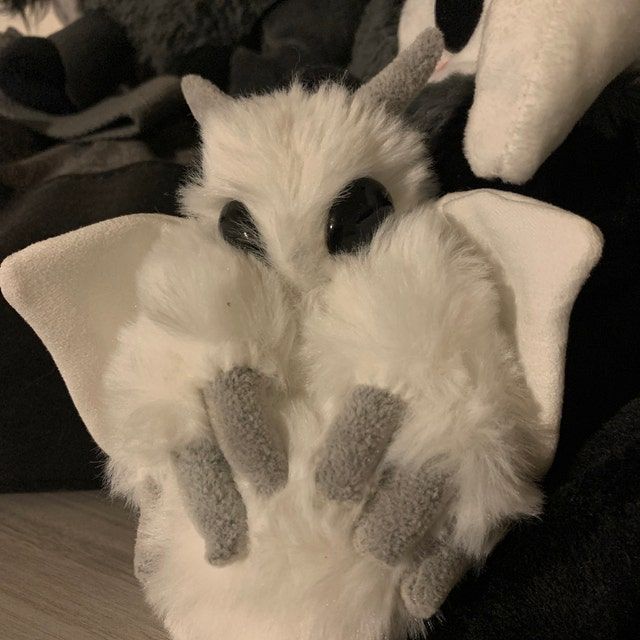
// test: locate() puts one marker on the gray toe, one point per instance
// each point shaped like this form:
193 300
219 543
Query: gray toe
399 513
252 446
212 500
357 442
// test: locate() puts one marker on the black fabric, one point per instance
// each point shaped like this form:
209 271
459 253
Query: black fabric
457 19
574 574
209 61
18 141
97 58
299 37
122 115
32 73
43 443
376 39
166 33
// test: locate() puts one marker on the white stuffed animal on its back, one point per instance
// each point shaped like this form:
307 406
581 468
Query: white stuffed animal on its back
318 408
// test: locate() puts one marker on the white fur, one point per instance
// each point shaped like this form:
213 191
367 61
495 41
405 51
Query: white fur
288 154
205 307
302 579
419 314
416 314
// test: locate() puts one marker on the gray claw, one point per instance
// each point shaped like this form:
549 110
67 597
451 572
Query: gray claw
357 442
251 445
212 500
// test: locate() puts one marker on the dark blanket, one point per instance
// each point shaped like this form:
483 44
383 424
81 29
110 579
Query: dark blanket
575 573
572 574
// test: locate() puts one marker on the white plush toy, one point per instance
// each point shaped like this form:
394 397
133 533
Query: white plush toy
327 393
539 65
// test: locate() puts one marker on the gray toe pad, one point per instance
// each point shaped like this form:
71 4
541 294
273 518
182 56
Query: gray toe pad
212 500
253 447
357 442
399 513
427 585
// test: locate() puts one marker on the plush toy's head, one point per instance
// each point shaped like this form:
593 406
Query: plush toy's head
295 176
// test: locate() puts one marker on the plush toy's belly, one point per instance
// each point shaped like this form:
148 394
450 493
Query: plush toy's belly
300 580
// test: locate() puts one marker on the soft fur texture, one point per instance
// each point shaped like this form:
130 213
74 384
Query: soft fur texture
82 277
288 534
179 345
401 319
416 313
288 155
301 578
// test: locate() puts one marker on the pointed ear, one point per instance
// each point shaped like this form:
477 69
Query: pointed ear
542 256
407 74
202 96
77 291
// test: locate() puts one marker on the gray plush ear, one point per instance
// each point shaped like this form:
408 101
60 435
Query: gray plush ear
407 74
202 96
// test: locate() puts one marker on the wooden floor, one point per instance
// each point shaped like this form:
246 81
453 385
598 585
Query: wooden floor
66 570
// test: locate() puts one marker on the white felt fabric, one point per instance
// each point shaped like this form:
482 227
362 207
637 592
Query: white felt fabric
542 64
77 290
539 65
543 256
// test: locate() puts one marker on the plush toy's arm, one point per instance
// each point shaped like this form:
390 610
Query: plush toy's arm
191 382
126 308
435 429
444 379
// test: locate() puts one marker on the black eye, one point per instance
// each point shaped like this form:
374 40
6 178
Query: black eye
239 230
356 214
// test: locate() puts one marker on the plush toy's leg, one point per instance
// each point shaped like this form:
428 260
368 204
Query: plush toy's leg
399 513
212 500
194 384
